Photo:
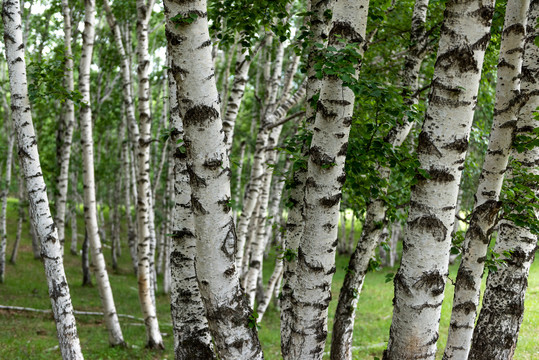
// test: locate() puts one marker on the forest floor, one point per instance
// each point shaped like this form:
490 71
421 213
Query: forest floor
28 335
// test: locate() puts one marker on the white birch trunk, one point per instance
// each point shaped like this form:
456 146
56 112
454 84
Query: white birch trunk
375 213
325 177
294 223
31 169
144 190
90 206
208 167
192 339
236 95
496 332
483 218
443 142
68 115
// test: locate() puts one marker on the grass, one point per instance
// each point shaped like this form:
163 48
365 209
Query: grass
27 335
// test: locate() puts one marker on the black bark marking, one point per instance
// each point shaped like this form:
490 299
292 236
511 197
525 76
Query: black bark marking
484 14
57 289
197 206
230 271
459 145
432 281
346 31
213 164
343 150
302 260
330 201
431 224
320 158
328 226
440 175
465 279
194 179
465 307
461 58
182 234
326 113
199 115
426 146
400 282
225 203
205 44
229 243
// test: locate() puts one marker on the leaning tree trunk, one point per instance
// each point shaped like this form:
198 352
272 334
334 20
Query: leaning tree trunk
371 231
483 217
4 192
323 191
31 169
67 129
496 333
443 142
227 310
90 208
144 190
192 339
236 95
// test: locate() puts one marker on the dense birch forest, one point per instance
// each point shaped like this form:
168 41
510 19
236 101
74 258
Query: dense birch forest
286 179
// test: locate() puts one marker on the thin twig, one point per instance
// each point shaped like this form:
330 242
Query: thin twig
286 119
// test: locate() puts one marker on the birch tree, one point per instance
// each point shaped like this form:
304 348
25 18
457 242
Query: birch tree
227 311
294 222
443 142
192 338
323 190
483 218
35 185
496 333
371 232
144 189
68 119
90 206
